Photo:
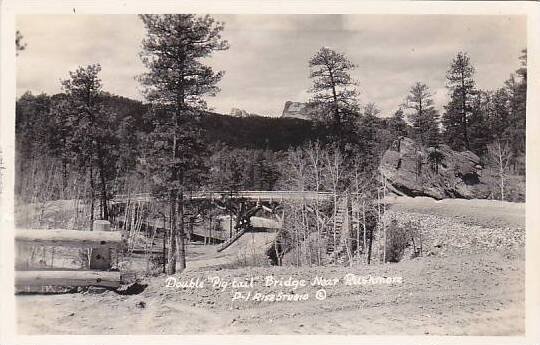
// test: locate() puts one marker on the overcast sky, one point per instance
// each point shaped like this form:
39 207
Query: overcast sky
267 63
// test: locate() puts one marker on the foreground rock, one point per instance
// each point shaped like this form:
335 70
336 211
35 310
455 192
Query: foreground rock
438 173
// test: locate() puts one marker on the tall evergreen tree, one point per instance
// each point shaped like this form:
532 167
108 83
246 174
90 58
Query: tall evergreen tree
333 87
424 117
461 87
479 123
369 147
397 124
32 128
91 139
499 118
175 83
32 125
507 115
516 89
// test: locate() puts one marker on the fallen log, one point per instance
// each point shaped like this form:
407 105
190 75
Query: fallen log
70 238
67 278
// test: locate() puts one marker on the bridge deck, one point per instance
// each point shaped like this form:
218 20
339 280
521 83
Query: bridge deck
248 195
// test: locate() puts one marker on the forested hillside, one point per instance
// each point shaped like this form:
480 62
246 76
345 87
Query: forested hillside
255 146
248 152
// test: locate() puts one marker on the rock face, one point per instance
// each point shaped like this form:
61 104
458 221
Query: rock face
239 112
296 110
437 173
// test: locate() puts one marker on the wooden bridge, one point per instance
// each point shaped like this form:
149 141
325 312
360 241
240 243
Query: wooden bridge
266 196
243 206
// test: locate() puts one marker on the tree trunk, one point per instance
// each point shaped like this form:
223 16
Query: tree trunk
357 221
319 232
103 183
181 234
337 119
364 237
171 255
104 207
501 168
92 195
383 222
501 175
464 112
64 178
230 216
334 229
370 246
276 250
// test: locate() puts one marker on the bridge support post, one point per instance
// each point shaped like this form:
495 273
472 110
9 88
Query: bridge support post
100 258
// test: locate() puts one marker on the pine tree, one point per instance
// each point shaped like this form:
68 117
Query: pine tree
424 117
507 114
60 138
397 125
32 125
461 87
175 83
478 123
32 130
516 89
333 88
499 117
91 137
368 147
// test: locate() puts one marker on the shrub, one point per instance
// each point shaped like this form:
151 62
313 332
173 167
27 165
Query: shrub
401 236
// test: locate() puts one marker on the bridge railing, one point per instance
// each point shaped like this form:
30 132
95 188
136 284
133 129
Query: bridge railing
100 241
253 195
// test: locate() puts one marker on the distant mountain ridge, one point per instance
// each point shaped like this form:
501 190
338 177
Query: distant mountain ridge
276 134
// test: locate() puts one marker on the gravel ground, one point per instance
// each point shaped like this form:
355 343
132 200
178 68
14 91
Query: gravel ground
480 294
471 283
446 235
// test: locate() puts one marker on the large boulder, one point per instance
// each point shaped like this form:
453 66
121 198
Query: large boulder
413 170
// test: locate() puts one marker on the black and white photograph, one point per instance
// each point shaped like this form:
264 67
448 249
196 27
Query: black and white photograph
243 173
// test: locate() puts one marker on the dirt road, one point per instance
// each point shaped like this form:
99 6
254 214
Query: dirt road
468 295
482 212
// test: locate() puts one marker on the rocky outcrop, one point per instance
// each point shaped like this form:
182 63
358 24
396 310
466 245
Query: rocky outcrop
239 112
435 172
296 110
